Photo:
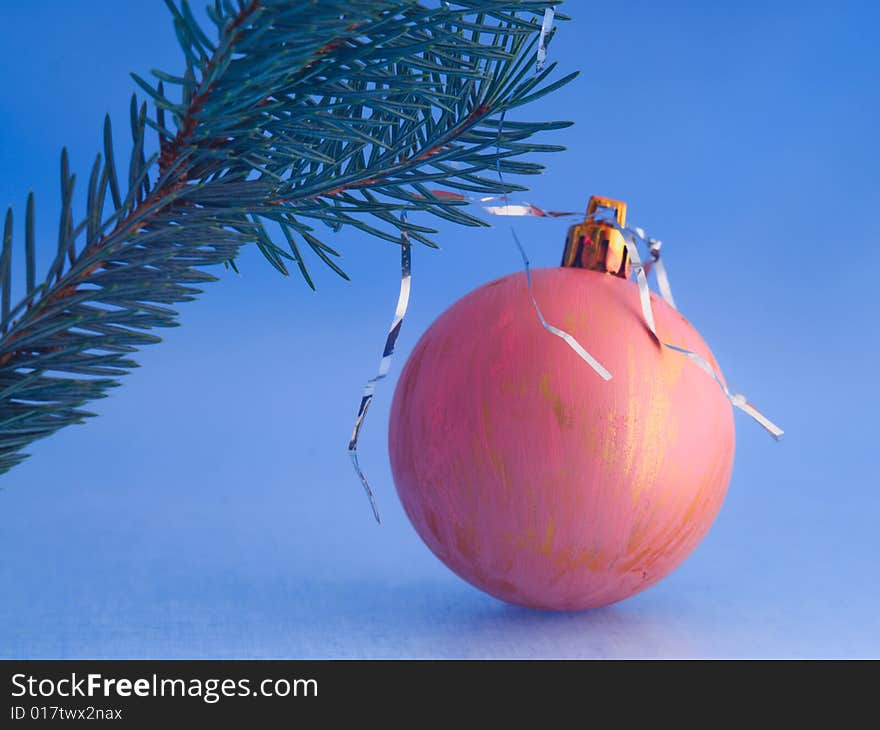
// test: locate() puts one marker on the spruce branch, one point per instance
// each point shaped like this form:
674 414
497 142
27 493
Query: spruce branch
344 113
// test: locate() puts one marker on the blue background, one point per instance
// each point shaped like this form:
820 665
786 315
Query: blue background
211 511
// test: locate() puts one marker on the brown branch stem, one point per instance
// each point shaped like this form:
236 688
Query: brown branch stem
169 154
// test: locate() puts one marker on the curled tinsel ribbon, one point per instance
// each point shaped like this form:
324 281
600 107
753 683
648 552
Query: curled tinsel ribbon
385 362
546 27
567 337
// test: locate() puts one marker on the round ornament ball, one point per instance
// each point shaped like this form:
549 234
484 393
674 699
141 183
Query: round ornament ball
533 478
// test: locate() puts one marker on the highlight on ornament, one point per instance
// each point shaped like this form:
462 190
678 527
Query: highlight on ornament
547 483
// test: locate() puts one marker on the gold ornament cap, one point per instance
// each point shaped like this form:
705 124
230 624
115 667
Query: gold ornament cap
595 244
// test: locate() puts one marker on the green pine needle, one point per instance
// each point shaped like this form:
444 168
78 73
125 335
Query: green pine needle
344 113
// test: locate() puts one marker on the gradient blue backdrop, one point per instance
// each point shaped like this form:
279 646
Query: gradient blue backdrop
211 511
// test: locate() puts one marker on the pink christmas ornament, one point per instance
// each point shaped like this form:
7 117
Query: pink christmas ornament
533 478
